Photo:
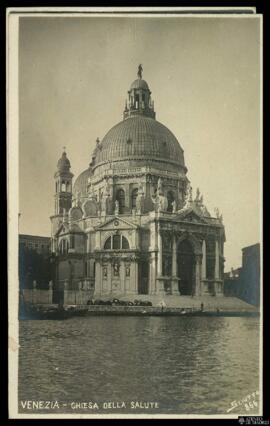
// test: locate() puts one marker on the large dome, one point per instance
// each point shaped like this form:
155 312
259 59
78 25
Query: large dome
140 137
137 141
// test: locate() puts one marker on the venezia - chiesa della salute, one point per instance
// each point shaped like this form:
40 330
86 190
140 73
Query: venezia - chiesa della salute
131 223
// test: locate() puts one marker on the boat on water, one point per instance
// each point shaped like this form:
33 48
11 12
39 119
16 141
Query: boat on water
35 312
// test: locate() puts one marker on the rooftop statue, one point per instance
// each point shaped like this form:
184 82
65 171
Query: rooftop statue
140 70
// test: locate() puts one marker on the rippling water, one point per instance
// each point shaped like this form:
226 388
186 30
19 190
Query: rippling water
187 365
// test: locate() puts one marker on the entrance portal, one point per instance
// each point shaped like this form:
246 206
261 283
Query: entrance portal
143 278
185 263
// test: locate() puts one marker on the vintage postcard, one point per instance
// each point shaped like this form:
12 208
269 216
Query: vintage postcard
134 205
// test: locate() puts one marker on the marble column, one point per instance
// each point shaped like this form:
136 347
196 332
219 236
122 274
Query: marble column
133 278
136 268
159 265
203 260
198 275
122 277
175 287
160 281
98 279
174 257
53 248
218 291
50 292
109 277
152 273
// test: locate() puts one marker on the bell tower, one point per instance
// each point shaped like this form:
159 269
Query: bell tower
63 186
139 98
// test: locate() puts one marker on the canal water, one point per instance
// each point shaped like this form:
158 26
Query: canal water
97 365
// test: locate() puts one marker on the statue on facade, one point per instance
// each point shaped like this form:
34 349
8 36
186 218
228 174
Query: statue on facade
217 212
185 196
140 199
159 199
197 195
160 186
190 196
103 203
140 70
91 193
116 268
174 206
201 200
185 199
162 203
205 212
116 210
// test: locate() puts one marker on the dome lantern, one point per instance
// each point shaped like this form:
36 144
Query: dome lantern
63 164
139 98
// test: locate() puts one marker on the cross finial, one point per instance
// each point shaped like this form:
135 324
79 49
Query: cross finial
140 69
64 148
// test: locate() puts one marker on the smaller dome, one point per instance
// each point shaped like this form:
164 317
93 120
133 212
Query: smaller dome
63 164
139 84
80 185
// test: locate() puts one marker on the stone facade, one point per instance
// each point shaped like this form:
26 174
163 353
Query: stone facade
130 225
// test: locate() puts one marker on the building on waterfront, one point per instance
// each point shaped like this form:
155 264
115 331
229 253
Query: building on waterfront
34 261
131 224
244 282
41 245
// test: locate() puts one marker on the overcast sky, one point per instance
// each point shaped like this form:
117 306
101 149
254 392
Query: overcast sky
204 74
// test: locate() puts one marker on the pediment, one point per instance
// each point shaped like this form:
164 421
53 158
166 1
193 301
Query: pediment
190 215
116 223
63 229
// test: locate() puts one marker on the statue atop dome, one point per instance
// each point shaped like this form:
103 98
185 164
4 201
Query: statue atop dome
140 70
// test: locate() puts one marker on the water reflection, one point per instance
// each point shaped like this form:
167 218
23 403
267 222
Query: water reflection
188 365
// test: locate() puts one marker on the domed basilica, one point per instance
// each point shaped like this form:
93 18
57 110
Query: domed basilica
130 223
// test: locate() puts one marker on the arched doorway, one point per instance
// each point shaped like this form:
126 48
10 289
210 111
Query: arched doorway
143 278
185 265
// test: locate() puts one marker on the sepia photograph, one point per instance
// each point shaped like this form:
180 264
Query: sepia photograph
134 205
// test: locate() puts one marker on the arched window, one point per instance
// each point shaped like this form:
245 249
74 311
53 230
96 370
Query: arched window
120 196
64 246
170 197
72 241
63 186
117 242
108 244
134 197
137 99
125 244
